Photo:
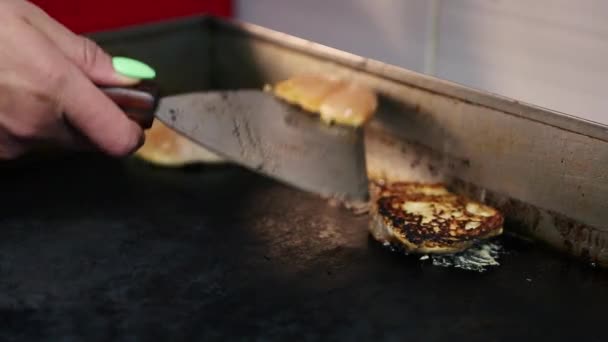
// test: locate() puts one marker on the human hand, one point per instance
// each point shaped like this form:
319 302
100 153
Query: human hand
48 88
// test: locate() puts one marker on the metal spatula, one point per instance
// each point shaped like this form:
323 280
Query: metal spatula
254 129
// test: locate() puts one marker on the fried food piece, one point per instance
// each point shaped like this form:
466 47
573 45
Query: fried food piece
352 104
336 101
427 218
167 147
307 91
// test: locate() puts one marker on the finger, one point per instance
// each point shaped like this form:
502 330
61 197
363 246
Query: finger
38 125
86 108
9 147
86 54
98 118
65 135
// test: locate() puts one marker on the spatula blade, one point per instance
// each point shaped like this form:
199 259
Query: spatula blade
256 130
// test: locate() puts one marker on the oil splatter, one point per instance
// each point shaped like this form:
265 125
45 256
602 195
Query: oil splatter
477 258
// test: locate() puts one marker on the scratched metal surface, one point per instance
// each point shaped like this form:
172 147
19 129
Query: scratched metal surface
98 249
265 134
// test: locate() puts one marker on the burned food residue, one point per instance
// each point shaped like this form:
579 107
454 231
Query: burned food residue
478 258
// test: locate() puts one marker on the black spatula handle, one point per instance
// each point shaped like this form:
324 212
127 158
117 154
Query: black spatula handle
139 102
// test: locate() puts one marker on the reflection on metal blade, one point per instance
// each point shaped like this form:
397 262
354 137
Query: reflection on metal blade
256 130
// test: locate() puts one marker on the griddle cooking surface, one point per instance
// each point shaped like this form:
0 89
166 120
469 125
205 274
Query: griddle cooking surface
99 249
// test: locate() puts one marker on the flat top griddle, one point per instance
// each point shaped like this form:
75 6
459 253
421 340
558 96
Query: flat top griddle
99 249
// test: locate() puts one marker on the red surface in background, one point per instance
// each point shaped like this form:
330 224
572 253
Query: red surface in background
88 15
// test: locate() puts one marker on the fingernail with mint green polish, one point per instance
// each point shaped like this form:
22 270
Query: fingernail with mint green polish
133 68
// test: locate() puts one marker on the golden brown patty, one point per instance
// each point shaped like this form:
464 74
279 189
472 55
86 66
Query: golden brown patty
168 148
427 218
336 101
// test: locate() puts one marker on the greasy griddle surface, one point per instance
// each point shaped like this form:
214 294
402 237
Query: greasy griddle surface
99 249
